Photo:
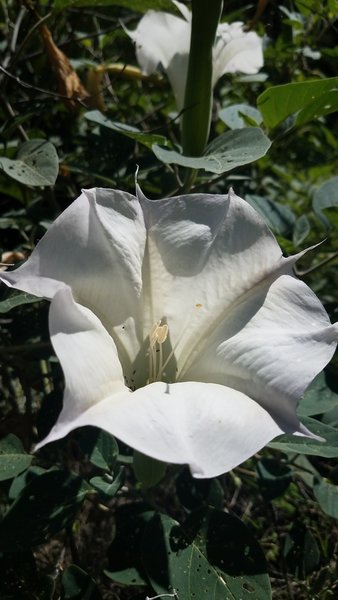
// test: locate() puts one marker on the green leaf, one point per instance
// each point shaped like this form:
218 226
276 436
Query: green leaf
324 105
134 5
327 495
105 452
326 196
101 447
194 493
318 398
13 457
148 471
234 116
78 585
303 445
108 488
45 506
277 216
310 99
273 477
303 468
129 576
147 139
301 230
228 151
212 557
301 551
37 164
124 553
11 298
20 482
331 417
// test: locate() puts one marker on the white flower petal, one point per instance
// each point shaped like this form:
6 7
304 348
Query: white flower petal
163 40
210 427
204 253
96 246
154 37
236 314
271 346
184 10
177 74
88 357
236 51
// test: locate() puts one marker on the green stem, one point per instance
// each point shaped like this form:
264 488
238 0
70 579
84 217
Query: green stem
198 91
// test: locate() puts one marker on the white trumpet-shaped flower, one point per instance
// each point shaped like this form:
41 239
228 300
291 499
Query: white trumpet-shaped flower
163 40
179 325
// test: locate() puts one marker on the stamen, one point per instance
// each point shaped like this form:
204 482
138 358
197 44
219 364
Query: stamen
158 335
198 305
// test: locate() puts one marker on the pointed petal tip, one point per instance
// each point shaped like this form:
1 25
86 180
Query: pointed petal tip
3 279
139 193
129 32
184 10
303 431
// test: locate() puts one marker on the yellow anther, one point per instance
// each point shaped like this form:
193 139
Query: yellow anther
158 333
162 333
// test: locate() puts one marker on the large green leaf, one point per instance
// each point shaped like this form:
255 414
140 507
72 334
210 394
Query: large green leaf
147 139
326 196
11 298
301 551
36 164
23 479
319 398
304 445
238 116
327 496
134 5
301 230
212 557
78 585
45 506
310 99
302 467
13 458
100 447
228 151
324 105
124 553
277 216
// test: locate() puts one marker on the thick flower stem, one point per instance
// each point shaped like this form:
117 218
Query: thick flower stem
198 92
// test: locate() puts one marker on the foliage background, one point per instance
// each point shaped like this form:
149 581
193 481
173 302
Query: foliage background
79 522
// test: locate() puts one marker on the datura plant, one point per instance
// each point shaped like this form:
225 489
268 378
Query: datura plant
163 40
179 325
